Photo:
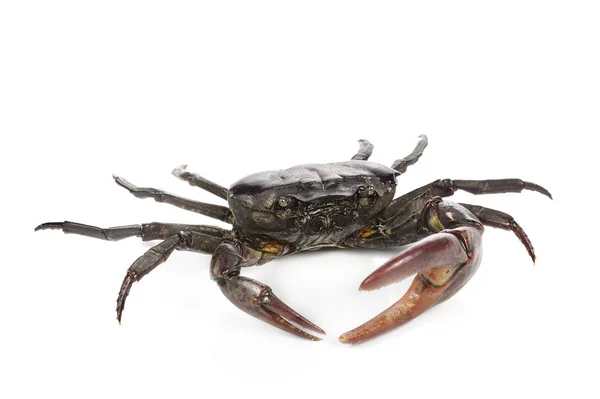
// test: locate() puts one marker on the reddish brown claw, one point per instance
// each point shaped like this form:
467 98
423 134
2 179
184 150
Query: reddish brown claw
258 300
443 262
277 306
432 252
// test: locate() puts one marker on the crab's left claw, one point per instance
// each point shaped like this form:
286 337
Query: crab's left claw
444 262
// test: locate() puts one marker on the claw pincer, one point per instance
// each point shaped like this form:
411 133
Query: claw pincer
444 263
251 296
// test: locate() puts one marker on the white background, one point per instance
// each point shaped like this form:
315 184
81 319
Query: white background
137 88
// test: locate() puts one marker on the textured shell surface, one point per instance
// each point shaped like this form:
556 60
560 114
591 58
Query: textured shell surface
310 182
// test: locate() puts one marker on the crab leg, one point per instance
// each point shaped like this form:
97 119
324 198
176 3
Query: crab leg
147 231
501 220
402 164
251 296
214 211
198 181
447 188
364 151
444 263
185 240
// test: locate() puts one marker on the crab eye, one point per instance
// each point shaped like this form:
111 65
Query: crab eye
283 202
366 191
367 196
285 207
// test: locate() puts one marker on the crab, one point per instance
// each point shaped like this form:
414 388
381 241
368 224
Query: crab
349 204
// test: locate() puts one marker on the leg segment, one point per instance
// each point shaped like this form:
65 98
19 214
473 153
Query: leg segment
501 220
214 211
147 231
252 296
198 181
444 262
364 151
447 187
498 186
185 240
402 164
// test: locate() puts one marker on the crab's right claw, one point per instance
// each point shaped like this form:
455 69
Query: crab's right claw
251 296
444 262
258 300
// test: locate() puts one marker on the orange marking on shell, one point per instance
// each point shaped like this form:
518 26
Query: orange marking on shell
272 247
367 233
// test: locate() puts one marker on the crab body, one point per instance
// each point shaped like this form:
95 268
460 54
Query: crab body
311 206
306 207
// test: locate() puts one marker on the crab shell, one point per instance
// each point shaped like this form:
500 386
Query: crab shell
317 200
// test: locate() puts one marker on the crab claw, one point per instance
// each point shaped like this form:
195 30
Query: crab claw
444 263
258 300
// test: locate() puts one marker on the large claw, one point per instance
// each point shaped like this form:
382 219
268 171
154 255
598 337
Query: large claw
258 300
251 296
444 263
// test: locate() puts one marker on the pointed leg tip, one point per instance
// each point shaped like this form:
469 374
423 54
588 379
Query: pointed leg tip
179 170
539 189
531 255
49 226
120 181
545 192
124 183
